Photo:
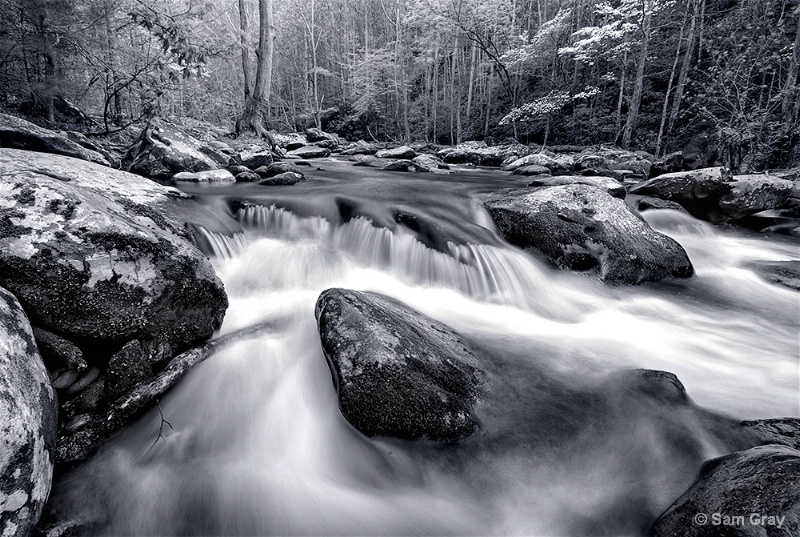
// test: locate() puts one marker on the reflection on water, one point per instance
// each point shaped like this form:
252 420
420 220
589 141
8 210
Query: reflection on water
259 446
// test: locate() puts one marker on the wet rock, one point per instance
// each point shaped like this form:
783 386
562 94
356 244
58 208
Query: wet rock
785 273
28 424
538 159
612 158
84 141
248 176
429 164
283 179
783 431
532 169
211 176
752 194
646 203
164 150
309 151
698 191
254 158
761 485
58 351
289 141
360 148
395 165
315 135
221 147
397 372
667 164
277 168
16 133
611 186
579 227
402 152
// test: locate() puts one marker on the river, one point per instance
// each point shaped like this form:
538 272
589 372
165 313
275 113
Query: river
257 445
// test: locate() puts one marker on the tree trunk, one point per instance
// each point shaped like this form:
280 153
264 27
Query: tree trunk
636 98
684 74
791 92
665 107
244 42
256 110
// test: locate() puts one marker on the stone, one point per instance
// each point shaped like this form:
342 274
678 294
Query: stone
697 191
164 149
583 228
16 133
277 168
314 135
397 372
538 159
248 176
28 425
759 486
429 164
611 186
531 169
395 165
751 194
784 273
309 151
360 148
57 351
283 179
210 176
254 159
403 152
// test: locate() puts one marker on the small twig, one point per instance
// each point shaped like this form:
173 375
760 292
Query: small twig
160 427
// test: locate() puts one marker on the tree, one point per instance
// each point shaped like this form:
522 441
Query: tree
257 108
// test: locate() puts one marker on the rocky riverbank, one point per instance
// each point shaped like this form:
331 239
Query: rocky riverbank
105 301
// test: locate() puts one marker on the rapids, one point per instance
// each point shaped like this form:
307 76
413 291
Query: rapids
257 445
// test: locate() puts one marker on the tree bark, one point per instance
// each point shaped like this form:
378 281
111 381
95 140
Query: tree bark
636 98
256 112
244 42
684 74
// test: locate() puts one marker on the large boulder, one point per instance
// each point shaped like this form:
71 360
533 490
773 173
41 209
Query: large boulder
164 149
98 257
254 158
397 372
308 151
532 169
430 164
751 194
16 133
402 152
580 227
615 188
315 135
751 493
28 425
612 158
283 179
698 191
289 141
277 168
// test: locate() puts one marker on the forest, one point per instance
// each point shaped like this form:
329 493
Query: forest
643 74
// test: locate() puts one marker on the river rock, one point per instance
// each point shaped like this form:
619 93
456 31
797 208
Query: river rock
538 159
360 148
164 149
283 179
389 165
210 176
670 163
430 164
532 169
583 228
17 133
315 135
752 194
785 273
94 255
309 151
277 168
611 186
397 372
402 152
613 158
698 191
289 141
28 424
247 176
647 203
58 352
254 158
760 482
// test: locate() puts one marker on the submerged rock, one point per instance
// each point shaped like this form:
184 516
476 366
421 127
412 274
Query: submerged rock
759 486
397 372
698 191
579 227
282 179
785 273
16 133
277 168
28 418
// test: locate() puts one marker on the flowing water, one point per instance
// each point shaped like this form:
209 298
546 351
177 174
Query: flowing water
258 446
